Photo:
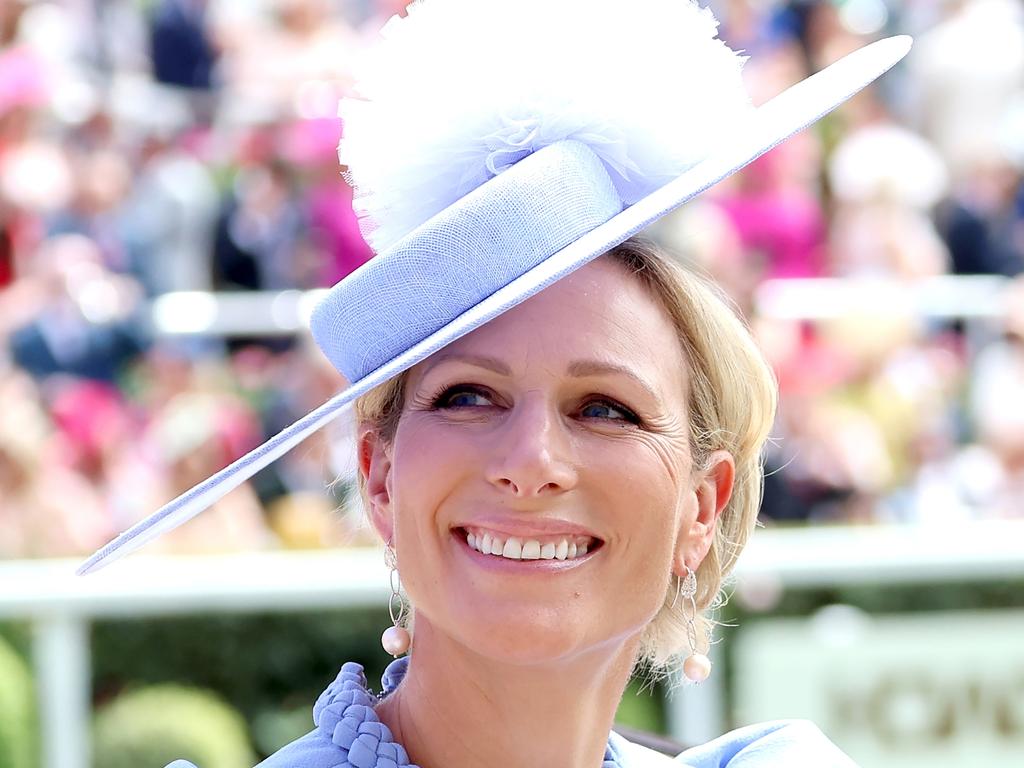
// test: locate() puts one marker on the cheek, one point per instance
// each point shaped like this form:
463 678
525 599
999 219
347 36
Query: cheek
426 457
424 469
652 498
429 465
649 472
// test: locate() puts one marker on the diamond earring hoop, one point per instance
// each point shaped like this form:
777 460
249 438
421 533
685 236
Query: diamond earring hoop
396 639
697 666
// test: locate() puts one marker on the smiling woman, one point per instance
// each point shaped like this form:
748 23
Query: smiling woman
669 375
560 428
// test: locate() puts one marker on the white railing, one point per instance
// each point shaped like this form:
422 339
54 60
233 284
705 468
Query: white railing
61 605
945 297
275 313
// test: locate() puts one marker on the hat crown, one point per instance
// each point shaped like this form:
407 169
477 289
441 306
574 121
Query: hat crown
463 255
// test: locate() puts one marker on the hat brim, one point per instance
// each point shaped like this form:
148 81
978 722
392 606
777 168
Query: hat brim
775 121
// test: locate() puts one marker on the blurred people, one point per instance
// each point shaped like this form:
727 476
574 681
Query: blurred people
190 145
47 509
969 73
885 182
83 321
310 146
191 437
284 57
983 219
966 70
777 213
33 173
168 223
182 50
259 231
997 411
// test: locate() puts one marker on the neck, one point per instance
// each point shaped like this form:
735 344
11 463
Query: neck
456 708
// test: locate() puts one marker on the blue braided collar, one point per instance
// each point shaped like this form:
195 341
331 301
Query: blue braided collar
344 714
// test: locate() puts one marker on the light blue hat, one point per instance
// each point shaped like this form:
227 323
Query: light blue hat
493 155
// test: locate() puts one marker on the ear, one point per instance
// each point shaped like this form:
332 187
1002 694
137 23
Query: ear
712 492
375 468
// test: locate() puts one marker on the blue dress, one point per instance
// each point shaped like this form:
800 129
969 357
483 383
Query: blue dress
348 734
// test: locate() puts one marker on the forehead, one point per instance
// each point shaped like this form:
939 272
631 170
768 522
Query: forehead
599 312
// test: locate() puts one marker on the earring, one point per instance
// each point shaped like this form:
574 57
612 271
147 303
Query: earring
697 666
395 639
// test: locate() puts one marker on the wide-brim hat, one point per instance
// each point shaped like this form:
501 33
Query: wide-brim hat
507 229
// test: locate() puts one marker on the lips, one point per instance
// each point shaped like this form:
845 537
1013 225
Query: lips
554 546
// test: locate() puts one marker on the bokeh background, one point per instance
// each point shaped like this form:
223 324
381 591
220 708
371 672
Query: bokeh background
170 202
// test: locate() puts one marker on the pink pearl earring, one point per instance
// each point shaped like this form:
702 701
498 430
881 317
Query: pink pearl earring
396 639
697 666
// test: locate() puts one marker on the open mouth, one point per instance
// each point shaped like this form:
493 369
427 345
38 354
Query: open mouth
552 547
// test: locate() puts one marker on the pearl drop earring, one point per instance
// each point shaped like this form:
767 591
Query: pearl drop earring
697 666
396 639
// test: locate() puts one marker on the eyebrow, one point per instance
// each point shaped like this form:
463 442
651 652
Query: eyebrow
480 361
577 368
581 368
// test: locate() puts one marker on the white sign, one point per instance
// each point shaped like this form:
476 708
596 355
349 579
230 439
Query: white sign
907 691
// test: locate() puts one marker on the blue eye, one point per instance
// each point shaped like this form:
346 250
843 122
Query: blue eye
602 409
461 397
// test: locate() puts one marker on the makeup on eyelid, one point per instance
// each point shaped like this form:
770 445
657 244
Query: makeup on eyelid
445 394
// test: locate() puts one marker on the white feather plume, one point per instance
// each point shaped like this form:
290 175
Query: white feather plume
459 90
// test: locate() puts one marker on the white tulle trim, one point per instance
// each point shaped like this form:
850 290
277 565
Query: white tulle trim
461 89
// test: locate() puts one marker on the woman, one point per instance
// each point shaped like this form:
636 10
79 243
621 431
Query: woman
559 428
620 413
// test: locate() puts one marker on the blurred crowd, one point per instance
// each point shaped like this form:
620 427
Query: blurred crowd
150 146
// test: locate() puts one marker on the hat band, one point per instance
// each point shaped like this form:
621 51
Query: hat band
494 234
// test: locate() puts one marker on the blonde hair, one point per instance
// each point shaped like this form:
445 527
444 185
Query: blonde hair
732 400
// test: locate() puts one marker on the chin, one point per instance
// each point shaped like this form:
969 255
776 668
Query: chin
535 637
527 648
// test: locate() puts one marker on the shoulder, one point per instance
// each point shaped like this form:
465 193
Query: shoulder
632 755
313 750
793 743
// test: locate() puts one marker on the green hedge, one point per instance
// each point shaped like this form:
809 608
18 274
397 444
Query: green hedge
269 667
18 722
150 727
642 707
272 667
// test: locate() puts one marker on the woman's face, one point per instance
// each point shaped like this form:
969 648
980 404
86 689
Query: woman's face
559 426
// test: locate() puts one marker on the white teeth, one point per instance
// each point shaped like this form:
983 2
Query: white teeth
528 549
513 549
531 549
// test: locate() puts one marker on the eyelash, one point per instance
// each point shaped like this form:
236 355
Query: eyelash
439 400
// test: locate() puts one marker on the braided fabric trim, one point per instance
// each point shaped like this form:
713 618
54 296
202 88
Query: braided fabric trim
344 714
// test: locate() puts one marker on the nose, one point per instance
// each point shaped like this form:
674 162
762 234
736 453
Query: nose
531 456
